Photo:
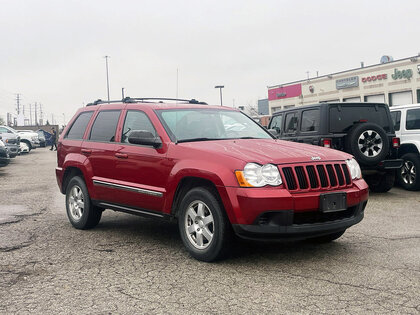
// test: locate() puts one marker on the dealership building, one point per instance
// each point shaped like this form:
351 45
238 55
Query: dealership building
392 82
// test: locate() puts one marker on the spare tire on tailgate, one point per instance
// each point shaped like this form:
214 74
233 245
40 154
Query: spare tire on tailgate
368 143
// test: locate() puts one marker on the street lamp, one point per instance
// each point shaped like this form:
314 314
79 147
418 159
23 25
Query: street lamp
107 77
220 87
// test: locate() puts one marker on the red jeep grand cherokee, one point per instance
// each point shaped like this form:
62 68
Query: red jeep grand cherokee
212 168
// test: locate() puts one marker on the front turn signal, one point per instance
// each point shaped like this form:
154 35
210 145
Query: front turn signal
241 179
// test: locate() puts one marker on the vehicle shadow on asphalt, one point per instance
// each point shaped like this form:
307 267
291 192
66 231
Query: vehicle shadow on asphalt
165 235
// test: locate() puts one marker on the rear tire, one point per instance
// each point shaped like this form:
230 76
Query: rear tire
381 182
327 238
81 212
408 176
204 227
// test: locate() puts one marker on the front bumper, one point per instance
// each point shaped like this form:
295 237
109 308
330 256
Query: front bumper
4 157
275 213
282 227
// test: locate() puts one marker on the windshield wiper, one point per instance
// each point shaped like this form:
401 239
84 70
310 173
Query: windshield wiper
197 139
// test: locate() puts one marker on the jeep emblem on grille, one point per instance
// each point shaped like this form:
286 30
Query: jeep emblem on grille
315 158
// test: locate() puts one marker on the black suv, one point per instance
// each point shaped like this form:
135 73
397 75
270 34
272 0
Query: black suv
364 130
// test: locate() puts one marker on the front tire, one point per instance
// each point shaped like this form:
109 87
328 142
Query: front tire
204 227
81 212
408 175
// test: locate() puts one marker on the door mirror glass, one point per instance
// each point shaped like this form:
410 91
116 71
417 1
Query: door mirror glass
143 137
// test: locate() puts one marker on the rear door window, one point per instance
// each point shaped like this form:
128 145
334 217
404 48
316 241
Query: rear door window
105 126
342 118
291 123
413 119
396 119
310 120
77 130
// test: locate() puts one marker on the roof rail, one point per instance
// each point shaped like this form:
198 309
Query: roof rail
146 100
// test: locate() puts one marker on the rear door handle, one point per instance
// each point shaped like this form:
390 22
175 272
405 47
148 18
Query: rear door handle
121 155
86 151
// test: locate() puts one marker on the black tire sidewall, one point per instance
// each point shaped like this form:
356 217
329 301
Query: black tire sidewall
415 159
218 247
83 222
353 146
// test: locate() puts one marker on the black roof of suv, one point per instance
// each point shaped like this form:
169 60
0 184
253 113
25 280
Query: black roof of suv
364 130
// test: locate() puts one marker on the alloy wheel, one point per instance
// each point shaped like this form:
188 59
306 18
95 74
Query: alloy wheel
370 143
76 203
199 224
408 173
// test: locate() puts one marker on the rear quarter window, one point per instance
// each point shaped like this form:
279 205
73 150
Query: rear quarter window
77 130
396 119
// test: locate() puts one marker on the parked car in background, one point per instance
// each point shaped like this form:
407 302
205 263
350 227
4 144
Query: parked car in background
364 130
4 155
212 168
11 141
30 138
33 136
24 149
406 120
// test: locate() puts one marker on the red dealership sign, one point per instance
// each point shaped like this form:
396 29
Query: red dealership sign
285 92
375 78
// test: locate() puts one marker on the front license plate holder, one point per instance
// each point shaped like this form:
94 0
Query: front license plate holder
333 202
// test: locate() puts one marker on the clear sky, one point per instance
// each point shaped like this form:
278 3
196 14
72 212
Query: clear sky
52 51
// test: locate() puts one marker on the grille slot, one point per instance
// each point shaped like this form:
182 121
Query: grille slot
290 180
331 175
312 176
346 173
303 182
322 175
339 174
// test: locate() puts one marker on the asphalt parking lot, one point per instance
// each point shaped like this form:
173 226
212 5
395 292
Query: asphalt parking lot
130 264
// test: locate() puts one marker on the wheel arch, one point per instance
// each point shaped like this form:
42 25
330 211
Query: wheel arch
408 148
69 173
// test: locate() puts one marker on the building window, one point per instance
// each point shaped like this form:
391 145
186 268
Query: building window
400 98
379 98
275 109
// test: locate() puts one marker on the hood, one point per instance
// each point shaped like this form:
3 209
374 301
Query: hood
265 151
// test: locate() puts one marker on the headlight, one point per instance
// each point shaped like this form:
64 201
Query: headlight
355 171
255 175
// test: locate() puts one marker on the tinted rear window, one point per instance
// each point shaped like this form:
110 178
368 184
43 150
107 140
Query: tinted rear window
105 125
77 130
342 118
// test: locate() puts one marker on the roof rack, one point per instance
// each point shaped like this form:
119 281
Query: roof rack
146 100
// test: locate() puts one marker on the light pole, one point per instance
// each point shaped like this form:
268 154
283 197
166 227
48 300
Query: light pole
107 77
220 87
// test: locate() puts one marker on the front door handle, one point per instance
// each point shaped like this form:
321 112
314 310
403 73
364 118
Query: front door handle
86 151
121 155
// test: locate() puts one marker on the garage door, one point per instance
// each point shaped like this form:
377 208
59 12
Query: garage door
400 98
380 98
352 99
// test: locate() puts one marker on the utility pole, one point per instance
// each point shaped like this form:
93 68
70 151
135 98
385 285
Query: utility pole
52 119
30 114
107 76
36 118
220 87
18 103
41 113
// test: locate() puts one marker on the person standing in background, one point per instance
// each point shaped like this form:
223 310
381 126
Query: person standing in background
53 139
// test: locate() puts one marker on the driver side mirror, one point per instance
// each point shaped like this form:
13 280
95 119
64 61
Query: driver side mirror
144 137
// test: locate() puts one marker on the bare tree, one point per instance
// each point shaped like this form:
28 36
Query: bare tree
2 122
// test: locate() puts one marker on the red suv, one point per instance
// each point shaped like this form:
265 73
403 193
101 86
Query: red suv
212 168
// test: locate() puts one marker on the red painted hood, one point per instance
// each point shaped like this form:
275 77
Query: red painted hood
267 151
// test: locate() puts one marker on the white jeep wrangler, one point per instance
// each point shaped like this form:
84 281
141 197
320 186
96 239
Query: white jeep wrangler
406 120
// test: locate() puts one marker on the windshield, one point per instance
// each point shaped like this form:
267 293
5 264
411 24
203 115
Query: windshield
185 125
